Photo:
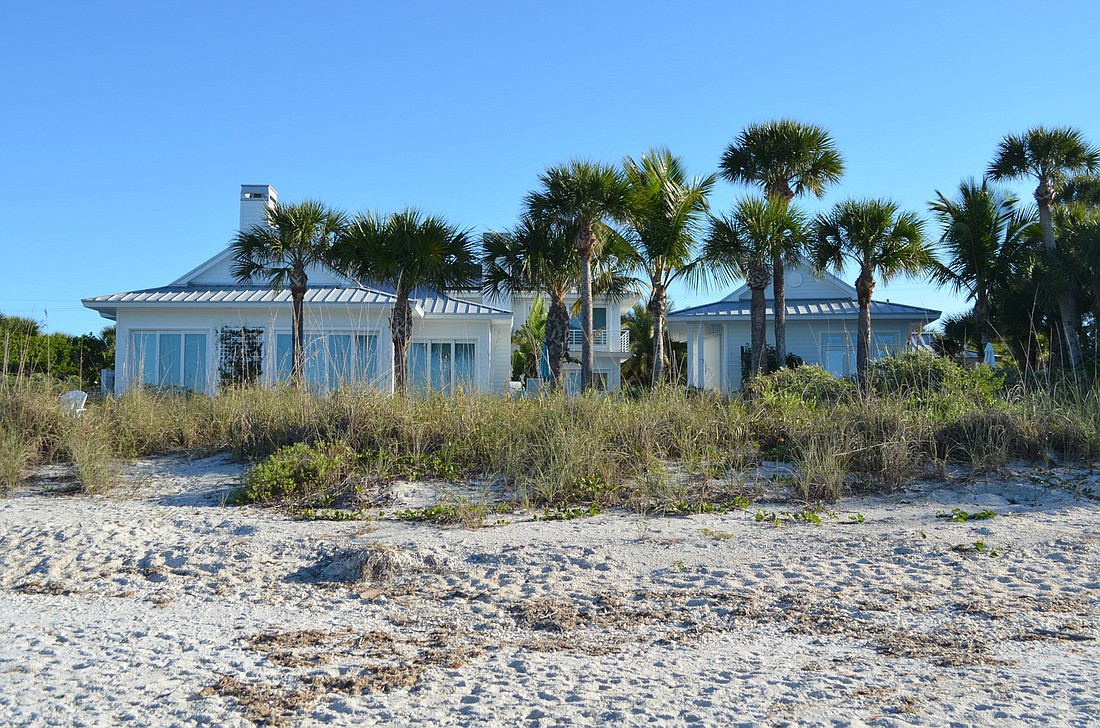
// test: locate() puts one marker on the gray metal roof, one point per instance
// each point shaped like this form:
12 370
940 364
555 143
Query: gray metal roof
257 295
456 306
221 295
804 308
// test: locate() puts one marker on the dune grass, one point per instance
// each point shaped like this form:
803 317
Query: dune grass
657 449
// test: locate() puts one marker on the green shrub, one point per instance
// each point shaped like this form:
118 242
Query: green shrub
308 476
934 381
809 384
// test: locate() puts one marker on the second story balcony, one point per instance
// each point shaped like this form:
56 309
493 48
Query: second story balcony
601 341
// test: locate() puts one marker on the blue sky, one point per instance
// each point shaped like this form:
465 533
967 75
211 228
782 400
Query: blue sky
128 128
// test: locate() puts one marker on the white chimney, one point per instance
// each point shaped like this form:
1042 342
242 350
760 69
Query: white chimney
256 200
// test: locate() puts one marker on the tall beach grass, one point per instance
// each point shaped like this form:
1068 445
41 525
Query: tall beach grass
611 450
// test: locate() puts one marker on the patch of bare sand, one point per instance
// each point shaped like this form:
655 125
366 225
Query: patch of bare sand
160 605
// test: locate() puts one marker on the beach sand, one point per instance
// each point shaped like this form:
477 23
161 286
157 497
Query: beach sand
158 604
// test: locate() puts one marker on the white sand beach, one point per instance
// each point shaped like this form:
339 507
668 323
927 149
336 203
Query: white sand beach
159 605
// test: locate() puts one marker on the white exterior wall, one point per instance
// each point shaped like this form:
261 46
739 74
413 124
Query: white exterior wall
493 365
714 350
500 357
273 320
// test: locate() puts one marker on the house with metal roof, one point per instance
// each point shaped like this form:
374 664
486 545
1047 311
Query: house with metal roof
206 328
822 313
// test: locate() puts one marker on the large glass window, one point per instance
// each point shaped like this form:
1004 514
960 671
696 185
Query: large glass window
885 345
441 366
573 381
171 359
331 360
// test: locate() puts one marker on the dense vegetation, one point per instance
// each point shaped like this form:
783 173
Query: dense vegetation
672 448
25 350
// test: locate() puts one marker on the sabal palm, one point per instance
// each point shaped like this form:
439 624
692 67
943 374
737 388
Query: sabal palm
1074 268
985 233
582 195
1050 156
665 216
406 250
786 159
743 243
295 238
537 255
883 242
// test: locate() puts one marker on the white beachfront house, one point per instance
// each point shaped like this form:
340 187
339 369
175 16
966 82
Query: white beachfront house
822 313
193 331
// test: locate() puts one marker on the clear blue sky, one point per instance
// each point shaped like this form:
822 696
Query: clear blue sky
128 128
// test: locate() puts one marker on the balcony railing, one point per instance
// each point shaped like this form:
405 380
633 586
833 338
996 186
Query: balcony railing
601 341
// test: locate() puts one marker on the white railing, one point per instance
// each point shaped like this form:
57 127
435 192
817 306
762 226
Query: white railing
600 341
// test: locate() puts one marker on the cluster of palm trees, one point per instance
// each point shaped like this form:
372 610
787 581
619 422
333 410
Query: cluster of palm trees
607 229
1033 272
404 251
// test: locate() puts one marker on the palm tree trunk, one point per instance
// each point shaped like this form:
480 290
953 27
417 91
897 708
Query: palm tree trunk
557 337
298 287
400 333
1044 196
865 288
586 242
758 358
757 278
981 318
779 293
657 302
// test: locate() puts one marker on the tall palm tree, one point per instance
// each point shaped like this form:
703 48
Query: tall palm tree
1049 156
294 238
665 213
406 250
586 196
537 255
984 235
883 241
786 159
742 244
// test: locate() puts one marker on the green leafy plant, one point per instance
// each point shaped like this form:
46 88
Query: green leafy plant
329 514
958 515
565 513
463 513
310 475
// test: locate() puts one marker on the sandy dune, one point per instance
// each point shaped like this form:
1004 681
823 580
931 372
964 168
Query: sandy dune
159 605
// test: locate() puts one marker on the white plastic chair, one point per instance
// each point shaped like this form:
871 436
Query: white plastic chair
72 403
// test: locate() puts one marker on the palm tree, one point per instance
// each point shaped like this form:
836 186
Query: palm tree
537 255
883 242
665 212
407 251
527 342
984 235
786 159
1050 156
295 238
743 243
584 196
